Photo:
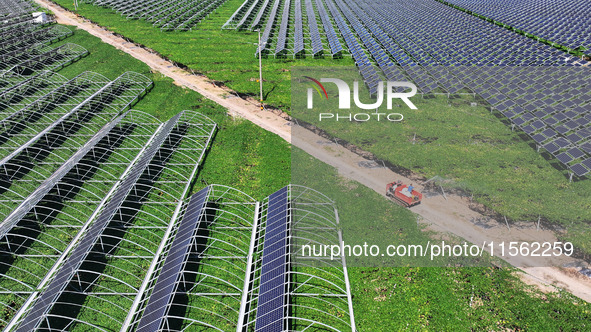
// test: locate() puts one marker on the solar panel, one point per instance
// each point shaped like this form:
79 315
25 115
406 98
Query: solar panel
539 138
579 170
165 287
574 138
576 153
586 147
551 147
549 133
270 314
55 288
564 158
562 129
528 129
562 142
587 162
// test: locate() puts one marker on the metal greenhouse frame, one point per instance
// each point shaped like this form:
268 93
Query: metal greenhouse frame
213 268
124 223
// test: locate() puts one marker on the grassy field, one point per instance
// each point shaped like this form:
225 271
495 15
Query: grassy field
221 55
440 299
258 163
470 149
481 155
244 156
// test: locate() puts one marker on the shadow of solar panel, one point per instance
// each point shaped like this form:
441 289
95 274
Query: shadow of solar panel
165 287
270 314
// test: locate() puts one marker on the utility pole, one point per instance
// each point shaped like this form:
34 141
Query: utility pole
260 68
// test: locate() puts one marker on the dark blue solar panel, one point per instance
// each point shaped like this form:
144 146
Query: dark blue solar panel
551 147
564 158
549 133
576 153
164 290
271 301
539 138
562 142
579 170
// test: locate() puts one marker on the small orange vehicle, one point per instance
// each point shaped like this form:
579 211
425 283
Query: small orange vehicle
399 193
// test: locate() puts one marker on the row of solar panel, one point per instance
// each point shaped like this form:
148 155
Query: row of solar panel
24 47
265 305
139 179
562 22
164 14
551 105
313 9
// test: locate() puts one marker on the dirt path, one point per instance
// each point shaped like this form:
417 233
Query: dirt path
450 214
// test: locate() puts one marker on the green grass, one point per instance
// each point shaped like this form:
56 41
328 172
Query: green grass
467 145
222 55
439 299
243 156
475 151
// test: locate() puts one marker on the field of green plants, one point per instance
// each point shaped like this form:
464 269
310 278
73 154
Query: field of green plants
257 162
473 150
221 55
439 299
481 155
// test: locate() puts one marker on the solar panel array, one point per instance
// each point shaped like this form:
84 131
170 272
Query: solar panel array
128 182
228 249
164 14
562 22
396 40
164 289
24 45
271 306
394 32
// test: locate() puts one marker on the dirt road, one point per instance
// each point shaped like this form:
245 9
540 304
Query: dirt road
450 214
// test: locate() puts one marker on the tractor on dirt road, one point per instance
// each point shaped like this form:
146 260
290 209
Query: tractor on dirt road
402 194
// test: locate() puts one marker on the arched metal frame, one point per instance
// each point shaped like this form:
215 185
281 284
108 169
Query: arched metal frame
50 225
213 280
112 270
164 14
317 291
24 43
15 8
42 136
26 90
